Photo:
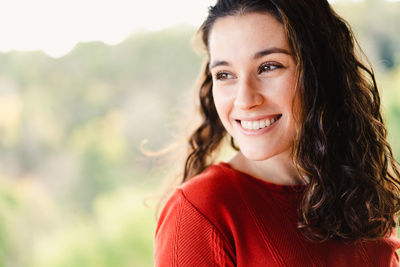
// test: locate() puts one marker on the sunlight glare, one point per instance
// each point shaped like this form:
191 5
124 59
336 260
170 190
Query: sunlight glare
56 26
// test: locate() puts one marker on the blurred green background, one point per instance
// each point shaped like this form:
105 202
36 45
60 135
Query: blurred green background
73 181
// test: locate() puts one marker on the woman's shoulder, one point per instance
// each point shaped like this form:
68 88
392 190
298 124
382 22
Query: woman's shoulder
214 185
210 197
211 193
194 225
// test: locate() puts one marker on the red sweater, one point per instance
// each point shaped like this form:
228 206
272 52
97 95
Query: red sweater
224 217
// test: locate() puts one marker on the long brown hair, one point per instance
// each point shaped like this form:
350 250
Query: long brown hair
354 189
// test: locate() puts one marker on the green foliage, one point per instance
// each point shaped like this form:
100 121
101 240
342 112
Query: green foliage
116 235
375 23
391 98
71 129
7 203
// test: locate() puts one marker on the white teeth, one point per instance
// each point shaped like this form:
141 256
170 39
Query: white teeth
255 125
247 124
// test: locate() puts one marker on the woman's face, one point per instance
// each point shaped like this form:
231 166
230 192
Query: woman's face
254 80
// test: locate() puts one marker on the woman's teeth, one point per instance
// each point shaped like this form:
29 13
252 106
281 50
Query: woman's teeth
255 125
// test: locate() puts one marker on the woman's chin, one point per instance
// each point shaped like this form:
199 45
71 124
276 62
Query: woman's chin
255 155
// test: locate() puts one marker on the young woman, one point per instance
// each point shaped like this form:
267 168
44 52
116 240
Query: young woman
314 181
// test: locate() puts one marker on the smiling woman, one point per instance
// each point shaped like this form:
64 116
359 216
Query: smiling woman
313 182
253 88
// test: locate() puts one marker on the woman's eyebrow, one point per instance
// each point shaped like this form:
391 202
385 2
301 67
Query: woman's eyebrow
257 55
219 63
271 50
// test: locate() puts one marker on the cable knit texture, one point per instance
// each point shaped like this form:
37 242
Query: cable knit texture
224 217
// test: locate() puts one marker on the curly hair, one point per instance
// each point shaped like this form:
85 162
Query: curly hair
354 189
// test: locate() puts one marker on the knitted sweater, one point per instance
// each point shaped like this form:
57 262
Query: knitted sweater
224 217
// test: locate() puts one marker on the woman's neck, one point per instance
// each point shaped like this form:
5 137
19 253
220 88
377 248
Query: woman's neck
279 169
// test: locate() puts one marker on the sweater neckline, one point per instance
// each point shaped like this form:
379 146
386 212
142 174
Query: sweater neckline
298 188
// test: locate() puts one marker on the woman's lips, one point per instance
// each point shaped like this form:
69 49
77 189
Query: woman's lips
256 127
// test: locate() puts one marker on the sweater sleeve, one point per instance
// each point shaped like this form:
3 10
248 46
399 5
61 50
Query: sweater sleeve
185 237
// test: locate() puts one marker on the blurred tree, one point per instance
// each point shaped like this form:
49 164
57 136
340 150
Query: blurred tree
375 24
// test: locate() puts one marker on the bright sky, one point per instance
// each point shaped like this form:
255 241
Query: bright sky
55 26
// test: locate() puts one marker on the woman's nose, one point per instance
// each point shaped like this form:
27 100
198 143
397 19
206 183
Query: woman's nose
248 95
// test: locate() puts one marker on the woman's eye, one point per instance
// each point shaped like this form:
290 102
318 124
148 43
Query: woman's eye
223 76
268 67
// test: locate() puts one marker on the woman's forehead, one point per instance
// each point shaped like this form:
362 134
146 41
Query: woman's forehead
246 35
